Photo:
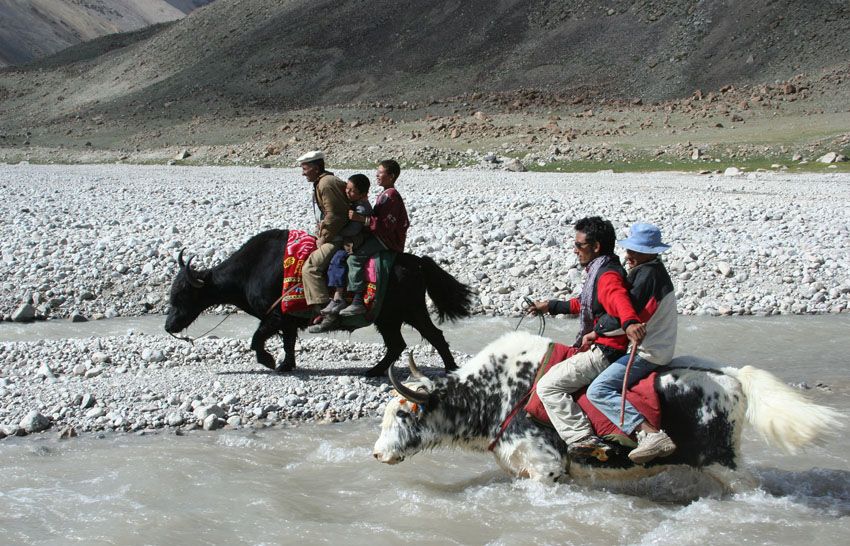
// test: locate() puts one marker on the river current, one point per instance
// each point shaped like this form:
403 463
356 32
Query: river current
313 484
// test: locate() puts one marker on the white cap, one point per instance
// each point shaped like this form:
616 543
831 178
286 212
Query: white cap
315 155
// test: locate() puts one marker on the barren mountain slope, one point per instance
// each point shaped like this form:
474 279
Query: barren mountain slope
302 52
34 28
582 76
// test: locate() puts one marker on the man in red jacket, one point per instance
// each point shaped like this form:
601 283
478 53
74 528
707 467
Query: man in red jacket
388 227
605 291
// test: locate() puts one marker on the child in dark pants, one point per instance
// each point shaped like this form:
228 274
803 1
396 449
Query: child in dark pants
357 191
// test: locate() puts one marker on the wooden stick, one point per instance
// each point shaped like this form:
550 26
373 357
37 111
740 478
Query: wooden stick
626 383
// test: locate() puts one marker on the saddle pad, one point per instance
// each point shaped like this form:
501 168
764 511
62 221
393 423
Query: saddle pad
299 245
642 396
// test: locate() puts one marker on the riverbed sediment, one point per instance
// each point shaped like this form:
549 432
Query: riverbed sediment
101 241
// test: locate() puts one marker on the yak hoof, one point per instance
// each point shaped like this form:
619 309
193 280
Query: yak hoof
266 360
450 367
285 367
377 371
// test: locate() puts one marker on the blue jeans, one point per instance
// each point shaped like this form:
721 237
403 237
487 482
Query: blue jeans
338 270
605 392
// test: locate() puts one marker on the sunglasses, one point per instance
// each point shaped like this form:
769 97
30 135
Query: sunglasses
580 245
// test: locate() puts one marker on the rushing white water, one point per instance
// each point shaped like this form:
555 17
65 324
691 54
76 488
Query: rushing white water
319 483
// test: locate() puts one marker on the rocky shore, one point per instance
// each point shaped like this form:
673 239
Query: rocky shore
83 243
141 383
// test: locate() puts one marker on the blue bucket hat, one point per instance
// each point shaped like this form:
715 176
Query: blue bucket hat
644 238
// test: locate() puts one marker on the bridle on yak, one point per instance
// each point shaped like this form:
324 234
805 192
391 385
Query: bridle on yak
197 283
193 340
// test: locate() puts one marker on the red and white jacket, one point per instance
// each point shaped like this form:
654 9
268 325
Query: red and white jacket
610 301
654 300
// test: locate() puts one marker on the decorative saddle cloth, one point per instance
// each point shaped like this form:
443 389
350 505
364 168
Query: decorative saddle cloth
299 245
642 396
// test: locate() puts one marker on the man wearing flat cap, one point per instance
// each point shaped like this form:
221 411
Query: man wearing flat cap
331 208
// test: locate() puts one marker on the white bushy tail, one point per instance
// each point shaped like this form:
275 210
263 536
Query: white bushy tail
783 416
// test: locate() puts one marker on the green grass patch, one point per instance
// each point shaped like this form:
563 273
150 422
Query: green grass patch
695 166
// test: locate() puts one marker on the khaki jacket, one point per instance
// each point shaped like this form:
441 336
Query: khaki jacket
329 197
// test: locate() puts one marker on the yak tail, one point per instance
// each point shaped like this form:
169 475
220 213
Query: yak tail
452 298
781 415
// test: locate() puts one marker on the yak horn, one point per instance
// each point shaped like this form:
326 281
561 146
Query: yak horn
414 370
180 259
190 275
406 392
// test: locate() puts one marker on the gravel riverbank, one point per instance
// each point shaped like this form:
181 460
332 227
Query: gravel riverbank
101 241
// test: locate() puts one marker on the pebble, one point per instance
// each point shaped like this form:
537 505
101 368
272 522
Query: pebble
504 244
784 248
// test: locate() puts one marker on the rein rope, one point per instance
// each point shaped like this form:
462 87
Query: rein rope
272 308
510 417
193 340
541 327
507 420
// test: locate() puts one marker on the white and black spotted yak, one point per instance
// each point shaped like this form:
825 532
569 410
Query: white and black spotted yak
704 407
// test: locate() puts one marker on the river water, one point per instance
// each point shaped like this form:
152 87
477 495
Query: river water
319 484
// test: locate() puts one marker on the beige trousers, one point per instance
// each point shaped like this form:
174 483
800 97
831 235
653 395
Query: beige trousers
555 388
313 273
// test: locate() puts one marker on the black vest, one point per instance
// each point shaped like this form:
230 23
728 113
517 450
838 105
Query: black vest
596 308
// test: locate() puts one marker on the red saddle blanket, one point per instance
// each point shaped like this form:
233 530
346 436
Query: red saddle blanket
642 396
299 245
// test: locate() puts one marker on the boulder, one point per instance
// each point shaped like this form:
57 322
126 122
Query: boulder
202 412
34 422
174 419
213 423
24 313
515 165
724 268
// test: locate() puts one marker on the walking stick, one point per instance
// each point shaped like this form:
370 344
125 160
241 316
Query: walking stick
626 383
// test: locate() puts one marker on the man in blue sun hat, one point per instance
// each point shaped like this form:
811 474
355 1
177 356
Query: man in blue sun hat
654 301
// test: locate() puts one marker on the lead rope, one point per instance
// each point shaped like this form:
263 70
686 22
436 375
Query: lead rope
192 341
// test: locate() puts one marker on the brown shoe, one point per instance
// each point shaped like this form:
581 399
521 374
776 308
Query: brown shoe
590 447
328 324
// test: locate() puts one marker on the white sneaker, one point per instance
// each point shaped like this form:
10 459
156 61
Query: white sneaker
651 445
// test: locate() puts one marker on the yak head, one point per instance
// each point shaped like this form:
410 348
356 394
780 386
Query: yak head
188 297
405 429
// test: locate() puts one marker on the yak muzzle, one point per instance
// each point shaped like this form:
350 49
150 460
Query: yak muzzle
386 458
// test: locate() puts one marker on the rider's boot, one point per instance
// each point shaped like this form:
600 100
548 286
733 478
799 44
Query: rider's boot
590 447
329 323
333 307
356 308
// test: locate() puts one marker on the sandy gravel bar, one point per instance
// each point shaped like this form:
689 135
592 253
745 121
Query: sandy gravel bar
101 241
